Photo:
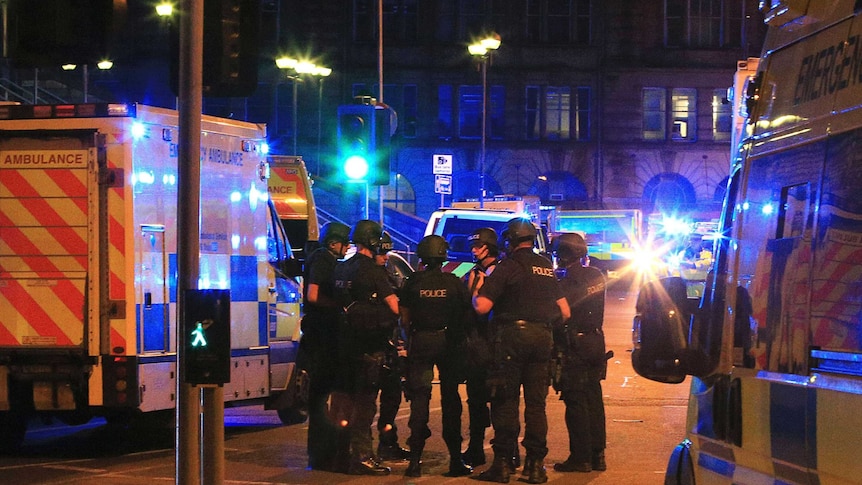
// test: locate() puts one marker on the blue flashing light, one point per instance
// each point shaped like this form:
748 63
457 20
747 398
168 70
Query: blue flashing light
138 130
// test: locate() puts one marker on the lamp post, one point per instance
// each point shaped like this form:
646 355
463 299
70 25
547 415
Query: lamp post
299 68
103 65
482 50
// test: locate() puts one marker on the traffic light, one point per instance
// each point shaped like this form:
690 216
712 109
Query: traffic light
363 143
206 344
231 45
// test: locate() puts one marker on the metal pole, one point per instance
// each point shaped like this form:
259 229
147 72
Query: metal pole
86 81
484 131
188 432
319 119
380 91
295 120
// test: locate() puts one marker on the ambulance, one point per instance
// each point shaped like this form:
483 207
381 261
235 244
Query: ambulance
773 349
88 263
290 190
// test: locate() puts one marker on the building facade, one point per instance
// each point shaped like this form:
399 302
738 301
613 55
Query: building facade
590 103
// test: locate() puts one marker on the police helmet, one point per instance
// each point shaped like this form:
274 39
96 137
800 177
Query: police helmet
518 230
484 236
570 247
432 248
385 244
367 233
334 232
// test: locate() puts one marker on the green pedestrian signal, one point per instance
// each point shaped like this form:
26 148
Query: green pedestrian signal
205 353
199 338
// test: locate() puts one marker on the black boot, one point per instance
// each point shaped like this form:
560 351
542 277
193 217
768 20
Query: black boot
599 461
528 463
457 468
497 472
389 449
414 469
367 466
536 473
475 454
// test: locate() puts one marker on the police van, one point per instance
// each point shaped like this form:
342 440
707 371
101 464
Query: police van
455 224
774 346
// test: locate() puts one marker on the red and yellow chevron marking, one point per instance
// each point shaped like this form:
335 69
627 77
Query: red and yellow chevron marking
117 260
287 191
43 255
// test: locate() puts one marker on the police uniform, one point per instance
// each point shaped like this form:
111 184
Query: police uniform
361 287
477 372
390 385
524 292
584 366
316 356
436 305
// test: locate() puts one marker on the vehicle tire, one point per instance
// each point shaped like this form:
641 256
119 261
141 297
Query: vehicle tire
292 415
13 427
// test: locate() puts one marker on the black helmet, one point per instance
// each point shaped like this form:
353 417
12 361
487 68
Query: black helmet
367 233
385 244
486 236
518 230
570 246
334 232
432 247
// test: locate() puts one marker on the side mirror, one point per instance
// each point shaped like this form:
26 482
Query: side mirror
660 330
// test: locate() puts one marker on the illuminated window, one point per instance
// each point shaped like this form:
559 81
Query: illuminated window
553 113
722 115
684 102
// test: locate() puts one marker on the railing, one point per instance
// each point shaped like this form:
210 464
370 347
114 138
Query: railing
10 91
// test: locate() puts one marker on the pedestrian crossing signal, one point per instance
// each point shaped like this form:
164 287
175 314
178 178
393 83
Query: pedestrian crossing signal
205 354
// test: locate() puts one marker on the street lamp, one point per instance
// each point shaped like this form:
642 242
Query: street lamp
104 65
482 50
304 67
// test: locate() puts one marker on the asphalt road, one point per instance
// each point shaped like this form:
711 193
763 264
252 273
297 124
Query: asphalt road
645 420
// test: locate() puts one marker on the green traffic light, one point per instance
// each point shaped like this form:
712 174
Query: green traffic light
356 167
198 336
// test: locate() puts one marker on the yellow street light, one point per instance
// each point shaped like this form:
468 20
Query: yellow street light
482 50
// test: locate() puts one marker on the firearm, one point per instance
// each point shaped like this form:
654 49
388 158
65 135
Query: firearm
555 369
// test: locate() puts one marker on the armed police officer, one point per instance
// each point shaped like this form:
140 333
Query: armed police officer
319 331
483 246
369 306
434 309
526 300
390 384
584 359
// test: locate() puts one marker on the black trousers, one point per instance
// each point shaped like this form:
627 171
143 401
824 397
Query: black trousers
523 359
585 415
427 350
316 357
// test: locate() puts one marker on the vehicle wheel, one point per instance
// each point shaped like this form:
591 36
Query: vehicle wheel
292 415
13 427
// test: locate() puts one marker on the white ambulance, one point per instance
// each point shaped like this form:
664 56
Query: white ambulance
774 347
88 263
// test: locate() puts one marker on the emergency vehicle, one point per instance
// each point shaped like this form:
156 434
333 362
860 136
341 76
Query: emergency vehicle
456 223
88 263
613 235
290 190
774 346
